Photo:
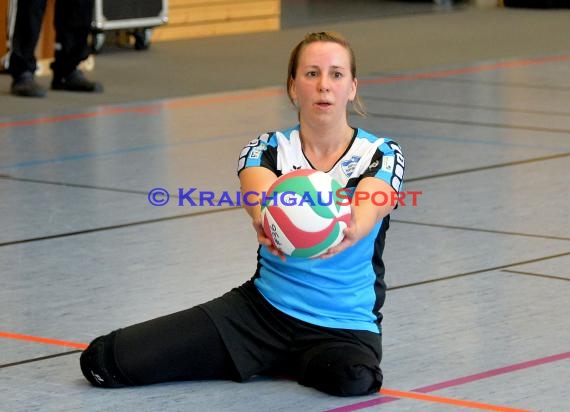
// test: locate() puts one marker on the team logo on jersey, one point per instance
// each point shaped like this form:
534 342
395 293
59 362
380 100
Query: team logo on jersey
255 153
349 165
257 147
388 164
373 165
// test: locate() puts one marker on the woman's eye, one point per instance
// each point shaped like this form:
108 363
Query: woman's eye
337 75
312 74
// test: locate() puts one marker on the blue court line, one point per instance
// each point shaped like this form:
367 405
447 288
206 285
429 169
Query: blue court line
119 152
82 156
160 147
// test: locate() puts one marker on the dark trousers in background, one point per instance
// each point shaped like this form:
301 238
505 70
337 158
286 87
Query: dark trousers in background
72 24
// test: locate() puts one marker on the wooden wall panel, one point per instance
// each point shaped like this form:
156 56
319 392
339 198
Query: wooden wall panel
202 18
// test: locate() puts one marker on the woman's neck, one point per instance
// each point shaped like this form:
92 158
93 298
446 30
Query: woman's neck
325 138
323 147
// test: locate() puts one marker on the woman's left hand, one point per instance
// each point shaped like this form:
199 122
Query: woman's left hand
351 236
365 214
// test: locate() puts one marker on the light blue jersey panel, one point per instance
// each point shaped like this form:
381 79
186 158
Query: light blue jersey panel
312 290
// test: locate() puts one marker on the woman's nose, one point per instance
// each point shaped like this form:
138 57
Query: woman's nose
323 84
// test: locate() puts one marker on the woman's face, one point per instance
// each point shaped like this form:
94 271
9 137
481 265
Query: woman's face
323 84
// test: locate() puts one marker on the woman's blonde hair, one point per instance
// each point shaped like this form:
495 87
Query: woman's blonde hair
324 36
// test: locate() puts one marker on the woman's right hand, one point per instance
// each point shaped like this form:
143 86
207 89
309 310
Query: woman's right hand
264 240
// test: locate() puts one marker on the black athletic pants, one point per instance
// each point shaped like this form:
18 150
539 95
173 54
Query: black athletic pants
72 23
235 337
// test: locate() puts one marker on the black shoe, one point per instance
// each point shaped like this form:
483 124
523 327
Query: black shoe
98 365
25 85
76 82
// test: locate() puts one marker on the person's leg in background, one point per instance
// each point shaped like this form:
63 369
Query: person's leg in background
72 27
22 65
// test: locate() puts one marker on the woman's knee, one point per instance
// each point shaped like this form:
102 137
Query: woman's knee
343 370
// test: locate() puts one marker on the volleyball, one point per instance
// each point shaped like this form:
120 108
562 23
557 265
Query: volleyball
303 215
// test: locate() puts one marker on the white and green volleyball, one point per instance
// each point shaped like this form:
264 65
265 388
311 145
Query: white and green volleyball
303 214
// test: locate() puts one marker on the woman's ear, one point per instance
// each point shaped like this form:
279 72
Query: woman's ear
292 89
353 90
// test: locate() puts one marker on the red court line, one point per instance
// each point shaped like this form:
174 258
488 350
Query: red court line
203 101
276 91
493 372
509 64
450 401
456 382
390 395
46 341
106 111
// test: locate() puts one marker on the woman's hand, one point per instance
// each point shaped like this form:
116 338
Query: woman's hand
264 240
351 236
365 214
